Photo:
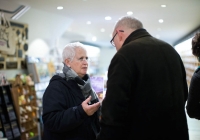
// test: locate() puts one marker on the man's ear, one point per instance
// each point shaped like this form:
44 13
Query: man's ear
67 62
120 35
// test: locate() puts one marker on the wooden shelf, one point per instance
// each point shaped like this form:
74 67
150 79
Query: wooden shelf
25 101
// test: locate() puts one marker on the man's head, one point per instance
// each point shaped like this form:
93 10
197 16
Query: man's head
123 28
196 45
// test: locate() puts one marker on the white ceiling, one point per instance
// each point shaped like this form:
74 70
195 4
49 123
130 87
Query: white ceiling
181 17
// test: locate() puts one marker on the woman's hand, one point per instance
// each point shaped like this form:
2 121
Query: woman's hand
90 109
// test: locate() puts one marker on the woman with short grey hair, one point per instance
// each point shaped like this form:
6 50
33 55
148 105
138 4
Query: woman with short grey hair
70 49
70 105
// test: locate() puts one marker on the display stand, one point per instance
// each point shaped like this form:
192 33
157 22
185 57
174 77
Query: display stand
190 63
24 97
9 127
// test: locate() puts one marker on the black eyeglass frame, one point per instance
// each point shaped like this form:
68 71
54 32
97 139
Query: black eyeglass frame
111 41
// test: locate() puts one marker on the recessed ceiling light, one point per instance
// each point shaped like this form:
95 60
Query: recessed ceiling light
129 13
161 20
88 22
163 6
94 38
108 18
102 30
59 7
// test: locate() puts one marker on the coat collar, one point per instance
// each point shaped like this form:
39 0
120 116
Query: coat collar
135 35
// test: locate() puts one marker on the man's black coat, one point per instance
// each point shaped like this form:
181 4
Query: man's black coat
146 92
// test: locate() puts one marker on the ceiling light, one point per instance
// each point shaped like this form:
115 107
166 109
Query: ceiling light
129 13
94 38
88 22
102 30
59 7
108 18
163 6
161 20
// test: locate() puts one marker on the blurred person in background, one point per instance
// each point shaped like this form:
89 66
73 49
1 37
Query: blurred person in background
70 105
193 102
146 88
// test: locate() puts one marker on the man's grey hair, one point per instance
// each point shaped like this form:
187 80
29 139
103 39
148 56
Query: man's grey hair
70 50
129 22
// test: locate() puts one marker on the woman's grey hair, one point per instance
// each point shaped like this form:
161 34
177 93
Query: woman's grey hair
70 50
129 22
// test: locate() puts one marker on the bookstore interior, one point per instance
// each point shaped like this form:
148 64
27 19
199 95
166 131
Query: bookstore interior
24 78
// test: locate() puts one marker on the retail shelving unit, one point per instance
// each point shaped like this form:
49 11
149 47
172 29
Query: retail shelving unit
9 126
190 63
24 97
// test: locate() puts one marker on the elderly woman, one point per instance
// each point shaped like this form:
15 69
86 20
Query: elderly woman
70 106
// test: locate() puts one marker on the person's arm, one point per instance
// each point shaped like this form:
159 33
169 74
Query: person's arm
115 109
57 116
193 102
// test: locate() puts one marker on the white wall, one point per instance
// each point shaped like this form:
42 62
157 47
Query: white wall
106 54
43 28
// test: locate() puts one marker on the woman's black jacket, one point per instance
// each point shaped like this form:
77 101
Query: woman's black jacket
63 115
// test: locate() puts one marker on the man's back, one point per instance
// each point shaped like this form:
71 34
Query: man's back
148 80
159 89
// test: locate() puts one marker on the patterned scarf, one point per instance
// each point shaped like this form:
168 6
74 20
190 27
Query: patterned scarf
83 83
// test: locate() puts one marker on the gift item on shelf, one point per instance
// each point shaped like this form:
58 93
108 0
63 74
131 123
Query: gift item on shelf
29 80
3 80
9 127
18 81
